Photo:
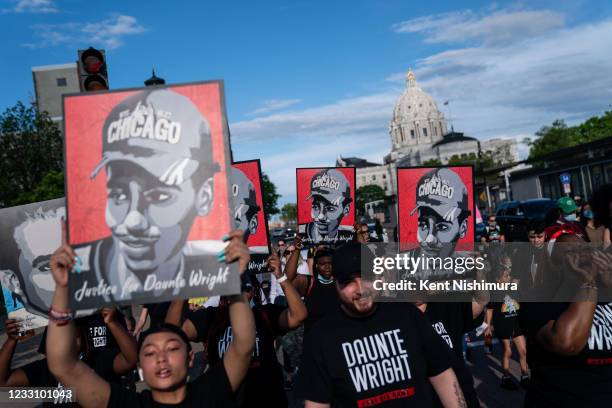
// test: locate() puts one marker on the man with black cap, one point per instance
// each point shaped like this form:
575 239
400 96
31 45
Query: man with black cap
442 209
159 176
330 192
244 205
367 354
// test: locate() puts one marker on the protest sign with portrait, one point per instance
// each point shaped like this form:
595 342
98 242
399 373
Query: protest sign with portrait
326 204
248 212
30 234
436 210
147 190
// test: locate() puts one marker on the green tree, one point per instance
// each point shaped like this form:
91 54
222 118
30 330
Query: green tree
289 212
365 194
560 136
50 187
270 196
472 158
551 138
30 148
432 162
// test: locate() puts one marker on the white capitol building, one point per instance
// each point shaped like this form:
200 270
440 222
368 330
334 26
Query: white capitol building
419 133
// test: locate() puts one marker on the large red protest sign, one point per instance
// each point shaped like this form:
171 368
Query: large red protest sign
147 193
248 211
435 206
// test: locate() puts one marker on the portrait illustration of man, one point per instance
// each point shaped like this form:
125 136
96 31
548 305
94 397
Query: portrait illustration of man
435 224
159 166
31 233
244 204
247 212
330 201
442 208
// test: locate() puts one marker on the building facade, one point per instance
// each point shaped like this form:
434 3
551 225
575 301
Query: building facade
51 82
419 134
588 165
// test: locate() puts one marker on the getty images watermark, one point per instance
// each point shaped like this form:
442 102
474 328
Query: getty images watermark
560 273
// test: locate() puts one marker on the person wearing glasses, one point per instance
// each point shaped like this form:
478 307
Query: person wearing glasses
362 232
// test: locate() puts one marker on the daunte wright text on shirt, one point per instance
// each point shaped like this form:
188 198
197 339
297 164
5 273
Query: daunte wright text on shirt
377 360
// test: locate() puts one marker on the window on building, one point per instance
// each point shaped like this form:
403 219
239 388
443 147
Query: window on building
373 177
384 176
435 131
61 82
386 187
425 132
412 133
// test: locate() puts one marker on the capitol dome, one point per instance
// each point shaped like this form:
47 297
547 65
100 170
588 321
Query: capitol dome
416 118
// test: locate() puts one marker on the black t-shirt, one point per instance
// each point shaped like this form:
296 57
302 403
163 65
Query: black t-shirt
383 359
265 372
210 390
504 310
584 380
451 321
321 300
99 336
158 311
492 235
38 373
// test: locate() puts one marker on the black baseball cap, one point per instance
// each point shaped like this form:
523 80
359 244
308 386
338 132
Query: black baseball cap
443 191
163 328
161 131
331 185
350 260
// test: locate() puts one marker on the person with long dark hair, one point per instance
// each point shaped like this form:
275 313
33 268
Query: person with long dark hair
164 352
212 327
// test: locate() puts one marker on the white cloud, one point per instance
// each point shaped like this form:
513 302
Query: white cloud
519 87
499 27
347 117
273 105
108 33
506 89
280 163
33 6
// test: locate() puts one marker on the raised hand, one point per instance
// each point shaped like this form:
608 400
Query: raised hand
297 241
109 314
12 328
603 261
274 266
237 250
62 261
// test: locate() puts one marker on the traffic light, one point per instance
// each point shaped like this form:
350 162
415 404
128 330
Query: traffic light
92 70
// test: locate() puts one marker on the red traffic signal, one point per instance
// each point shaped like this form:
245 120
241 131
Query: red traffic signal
92 70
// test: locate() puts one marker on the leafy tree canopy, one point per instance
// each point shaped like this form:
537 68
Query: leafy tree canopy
270 197
560 136
31 156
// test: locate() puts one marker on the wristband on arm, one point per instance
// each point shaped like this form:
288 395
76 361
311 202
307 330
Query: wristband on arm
60 318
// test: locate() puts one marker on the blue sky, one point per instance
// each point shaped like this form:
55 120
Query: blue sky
308 80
